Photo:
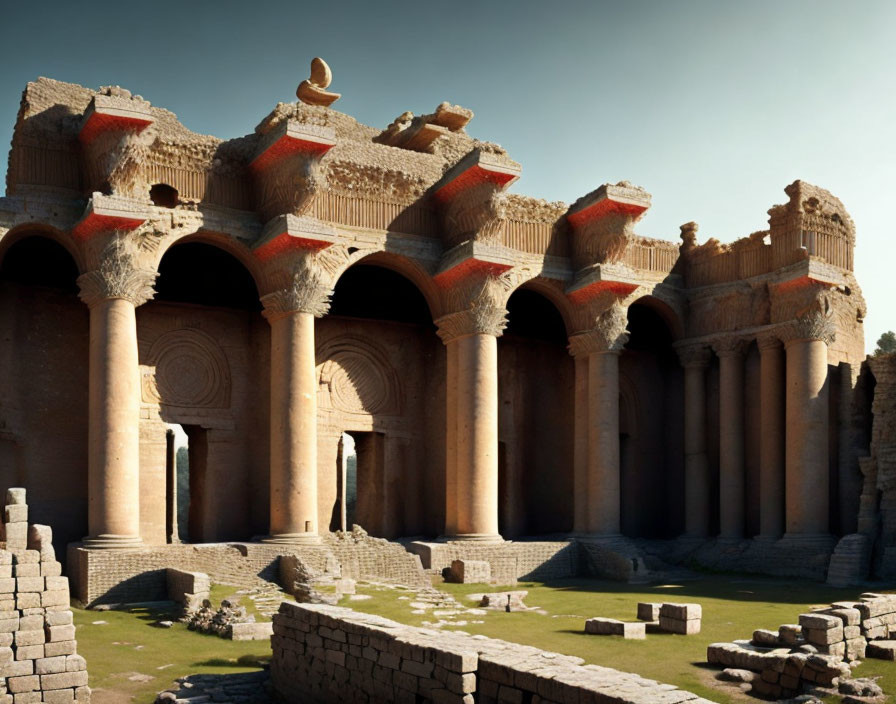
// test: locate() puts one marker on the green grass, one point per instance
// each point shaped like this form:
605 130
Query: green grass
129 643
732 608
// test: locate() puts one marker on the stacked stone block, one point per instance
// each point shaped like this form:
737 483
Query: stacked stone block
470 572
818 650
188 588
39 661
326 653
684 619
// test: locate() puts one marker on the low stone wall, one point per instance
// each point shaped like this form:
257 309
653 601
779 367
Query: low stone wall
538 561
126 576
332 654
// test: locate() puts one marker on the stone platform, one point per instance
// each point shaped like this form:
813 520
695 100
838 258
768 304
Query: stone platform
509 560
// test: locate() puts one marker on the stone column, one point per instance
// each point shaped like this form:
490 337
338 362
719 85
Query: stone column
695 360
293 479
731 440
471 339
451 439
601 347
580 446
806 454
112 292
771 437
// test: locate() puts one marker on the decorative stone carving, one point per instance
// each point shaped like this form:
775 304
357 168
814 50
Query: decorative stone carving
191 371
768 340
694 355
608 335
730 346
357 377
478 304
312 91
117 276
603 223
307 291
811 326
478 213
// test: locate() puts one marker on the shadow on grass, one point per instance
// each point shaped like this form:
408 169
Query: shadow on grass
260 661
728 587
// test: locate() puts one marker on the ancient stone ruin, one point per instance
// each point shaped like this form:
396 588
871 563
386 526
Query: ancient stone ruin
498 363
39 659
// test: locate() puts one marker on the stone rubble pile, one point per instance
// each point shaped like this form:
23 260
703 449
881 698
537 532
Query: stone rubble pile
39 659
240 688
818 651
218 621
310 586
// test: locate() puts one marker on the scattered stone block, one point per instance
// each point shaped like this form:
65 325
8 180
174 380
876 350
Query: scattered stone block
648 611
765 638
470 572
790 634
500 601
613 627
250 631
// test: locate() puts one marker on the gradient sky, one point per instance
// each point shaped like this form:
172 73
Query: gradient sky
711 106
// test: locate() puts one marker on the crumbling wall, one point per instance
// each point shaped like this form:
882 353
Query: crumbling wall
331 654
39 659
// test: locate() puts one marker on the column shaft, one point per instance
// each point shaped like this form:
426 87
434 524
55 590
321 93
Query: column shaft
696 466
580 446
771 440
807 471
293 429
451 438
113 432
477 436
731 445
603 440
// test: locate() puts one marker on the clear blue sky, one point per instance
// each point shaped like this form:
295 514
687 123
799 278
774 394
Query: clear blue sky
712 106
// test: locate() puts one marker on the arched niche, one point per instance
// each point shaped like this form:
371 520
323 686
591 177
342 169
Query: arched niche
535 417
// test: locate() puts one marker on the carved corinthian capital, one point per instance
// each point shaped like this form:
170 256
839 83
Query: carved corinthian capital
479 306
730 346
609 333
307 291
479 320
694 355
812 326
117 276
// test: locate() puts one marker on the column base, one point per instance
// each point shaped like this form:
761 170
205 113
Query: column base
767 538
108 541
293 539
819 541
474 538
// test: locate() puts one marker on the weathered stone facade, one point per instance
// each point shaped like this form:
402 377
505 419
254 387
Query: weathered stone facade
507 367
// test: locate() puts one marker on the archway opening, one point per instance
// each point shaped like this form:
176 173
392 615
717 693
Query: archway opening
40 261
376 293
205 361
202 274
651 426
535 419
381 370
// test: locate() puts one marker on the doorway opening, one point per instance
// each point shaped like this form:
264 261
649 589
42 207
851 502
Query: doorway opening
185 475
360 466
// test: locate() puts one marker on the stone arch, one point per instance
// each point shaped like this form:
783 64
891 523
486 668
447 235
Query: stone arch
552 290
356 376
226 243
657 302
60 237
337 260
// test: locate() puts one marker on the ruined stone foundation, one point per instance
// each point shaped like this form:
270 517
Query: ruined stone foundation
39 659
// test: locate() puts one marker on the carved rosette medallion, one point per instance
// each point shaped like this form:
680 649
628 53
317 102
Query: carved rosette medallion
190 371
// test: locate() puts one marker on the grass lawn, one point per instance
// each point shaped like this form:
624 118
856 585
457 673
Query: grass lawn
732 608
129 645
